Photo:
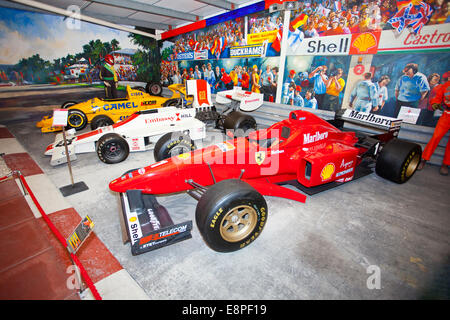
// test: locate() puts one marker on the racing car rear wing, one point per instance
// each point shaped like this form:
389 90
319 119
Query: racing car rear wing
368 120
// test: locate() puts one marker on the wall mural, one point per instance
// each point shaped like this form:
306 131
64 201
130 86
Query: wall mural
340 54
44 48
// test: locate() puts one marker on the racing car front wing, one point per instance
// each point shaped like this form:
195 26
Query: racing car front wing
149 225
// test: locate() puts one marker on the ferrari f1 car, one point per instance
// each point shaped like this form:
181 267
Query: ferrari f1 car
103 112
230 179
169 131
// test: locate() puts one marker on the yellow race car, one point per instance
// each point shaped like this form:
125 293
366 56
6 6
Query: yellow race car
103 112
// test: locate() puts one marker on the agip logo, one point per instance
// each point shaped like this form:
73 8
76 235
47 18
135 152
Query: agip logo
365 43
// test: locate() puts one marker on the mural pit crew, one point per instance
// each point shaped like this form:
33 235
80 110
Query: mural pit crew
150 129
303 151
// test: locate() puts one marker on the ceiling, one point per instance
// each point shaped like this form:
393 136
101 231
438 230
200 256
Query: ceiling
160 15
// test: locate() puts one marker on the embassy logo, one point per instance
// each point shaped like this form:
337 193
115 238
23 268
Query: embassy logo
308 138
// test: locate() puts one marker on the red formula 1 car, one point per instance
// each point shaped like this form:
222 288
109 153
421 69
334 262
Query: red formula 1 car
229 179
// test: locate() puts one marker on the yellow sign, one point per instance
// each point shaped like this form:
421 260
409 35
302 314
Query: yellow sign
255 38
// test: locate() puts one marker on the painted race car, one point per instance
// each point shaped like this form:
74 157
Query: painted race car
168 131
230 179
102 112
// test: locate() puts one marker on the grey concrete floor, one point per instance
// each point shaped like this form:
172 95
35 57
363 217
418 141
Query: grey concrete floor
324 249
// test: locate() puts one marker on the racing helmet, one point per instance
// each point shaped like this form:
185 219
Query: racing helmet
109 59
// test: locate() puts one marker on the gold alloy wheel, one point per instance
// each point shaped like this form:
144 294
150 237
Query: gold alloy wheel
412 165
238 223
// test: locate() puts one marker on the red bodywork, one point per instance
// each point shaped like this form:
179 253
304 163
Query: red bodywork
303 147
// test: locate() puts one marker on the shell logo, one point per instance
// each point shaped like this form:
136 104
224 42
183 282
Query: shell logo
327 171
365 43
132 219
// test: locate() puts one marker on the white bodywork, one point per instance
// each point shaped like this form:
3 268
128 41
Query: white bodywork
201 91
248 101
141 131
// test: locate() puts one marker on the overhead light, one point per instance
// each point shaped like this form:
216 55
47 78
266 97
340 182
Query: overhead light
276 7
287 5
291 5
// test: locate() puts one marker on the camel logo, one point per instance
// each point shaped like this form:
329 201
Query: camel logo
365 43
327 171
259 157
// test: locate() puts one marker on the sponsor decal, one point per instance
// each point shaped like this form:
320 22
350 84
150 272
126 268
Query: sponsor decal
137 94
327 171
346 164
330 45
255 38
141 171
225 146
185 56
308 138
201 55
148 103
371 118
176 117
430 37
116 106
260 156
344 172
247 51
365 43
163 234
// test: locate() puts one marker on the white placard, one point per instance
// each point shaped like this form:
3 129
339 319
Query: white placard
60 117
409 115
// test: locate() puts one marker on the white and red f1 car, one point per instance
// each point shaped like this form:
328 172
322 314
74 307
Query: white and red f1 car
144 130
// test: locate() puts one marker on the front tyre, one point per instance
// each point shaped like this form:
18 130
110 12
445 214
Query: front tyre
153 88
101 121
76 119
231 215
172 144
112 148
398 160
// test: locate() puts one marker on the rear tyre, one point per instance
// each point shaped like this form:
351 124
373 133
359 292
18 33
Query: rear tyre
101 121
153 88
230 215
172 103
172 144
398 160
112 148
238 122
68 104
76 119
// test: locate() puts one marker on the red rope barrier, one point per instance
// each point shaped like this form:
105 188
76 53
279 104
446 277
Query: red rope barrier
61 239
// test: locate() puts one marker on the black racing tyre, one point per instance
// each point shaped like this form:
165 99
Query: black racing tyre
398 160
230 215
172 144
76 119
153 88
172 103
238 122
139 88
101 121
68 104
112 148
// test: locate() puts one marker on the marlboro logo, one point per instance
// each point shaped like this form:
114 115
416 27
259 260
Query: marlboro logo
310 138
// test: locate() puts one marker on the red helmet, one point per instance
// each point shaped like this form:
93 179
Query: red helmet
109 59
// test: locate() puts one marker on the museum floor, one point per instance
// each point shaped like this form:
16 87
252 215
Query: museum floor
326 248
